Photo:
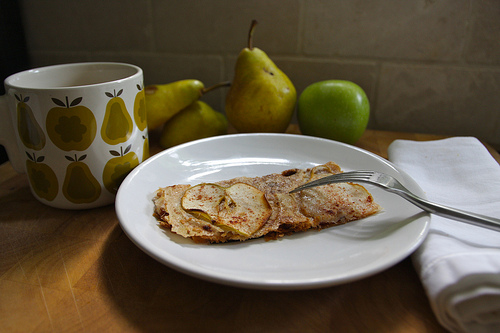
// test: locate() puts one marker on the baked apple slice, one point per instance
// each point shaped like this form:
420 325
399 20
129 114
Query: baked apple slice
241 208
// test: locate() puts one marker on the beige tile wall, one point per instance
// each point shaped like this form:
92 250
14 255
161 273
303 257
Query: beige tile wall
427 65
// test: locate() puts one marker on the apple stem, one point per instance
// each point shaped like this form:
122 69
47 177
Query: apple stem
250 34
67 102
218 85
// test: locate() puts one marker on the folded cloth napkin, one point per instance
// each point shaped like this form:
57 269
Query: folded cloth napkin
458 263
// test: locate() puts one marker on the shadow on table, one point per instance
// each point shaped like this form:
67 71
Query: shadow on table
153 297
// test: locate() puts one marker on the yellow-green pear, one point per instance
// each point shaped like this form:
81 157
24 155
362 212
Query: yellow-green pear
198 120
261 98
163 101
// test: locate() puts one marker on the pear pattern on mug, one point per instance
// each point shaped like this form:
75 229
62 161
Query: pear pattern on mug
117 125
79 185
140 109
71 126
42 178
30 132
118 167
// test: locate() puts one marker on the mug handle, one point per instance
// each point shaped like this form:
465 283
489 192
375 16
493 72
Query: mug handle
8 135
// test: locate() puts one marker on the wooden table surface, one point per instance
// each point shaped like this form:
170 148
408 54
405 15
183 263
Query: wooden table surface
77 271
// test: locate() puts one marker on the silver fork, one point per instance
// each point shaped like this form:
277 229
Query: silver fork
392 185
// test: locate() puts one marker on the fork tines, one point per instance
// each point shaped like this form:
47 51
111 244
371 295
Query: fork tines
337 178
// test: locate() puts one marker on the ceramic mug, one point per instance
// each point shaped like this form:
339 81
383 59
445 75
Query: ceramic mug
76 130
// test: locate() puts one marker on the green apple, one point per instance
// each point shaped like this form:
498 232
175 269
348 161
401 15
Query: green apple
333 109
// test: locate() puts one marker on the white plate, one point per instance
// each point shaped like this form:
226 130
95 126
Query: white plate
310 259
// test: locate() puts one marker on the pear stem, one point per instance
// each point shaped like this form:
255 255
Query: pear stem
218 85
250 34
150 90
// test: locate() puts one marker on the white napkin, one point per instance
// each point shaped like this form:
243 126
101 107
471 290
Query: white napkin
458 263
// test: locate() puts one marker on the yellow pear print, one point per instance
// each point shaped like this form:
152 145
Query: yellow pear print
30 132
117 168
140 109
42 179
117 125
71 126
80 186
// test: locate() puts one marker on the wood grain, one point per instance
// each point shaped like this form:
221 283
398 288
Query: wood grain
76 271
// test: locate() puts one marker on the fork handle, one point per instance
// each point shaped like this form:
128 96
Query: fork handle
452 213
